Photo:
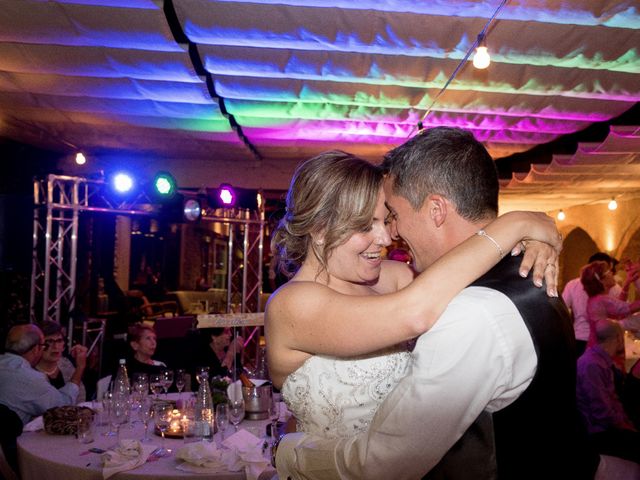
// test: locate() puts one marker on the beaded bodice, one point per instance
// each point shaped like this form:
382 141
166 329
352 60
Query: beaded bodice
335 397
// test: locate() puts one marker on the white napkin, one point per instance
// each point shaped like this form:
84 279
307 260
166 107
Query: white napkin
200 457
234 390
34 425
244 452
127 455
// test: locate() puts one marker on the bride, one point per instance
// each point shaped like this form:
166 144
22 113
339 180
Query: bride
334 354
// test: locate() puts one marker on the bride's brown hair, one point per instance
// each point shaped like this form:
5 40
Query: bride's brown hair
331 196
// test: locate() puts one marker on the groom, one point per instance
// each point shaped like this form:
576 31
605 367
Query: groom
491 393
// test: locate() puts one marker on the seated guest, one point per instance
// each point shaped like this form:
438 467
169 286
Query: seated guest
25 390
53 363
216 350
142 340
608 424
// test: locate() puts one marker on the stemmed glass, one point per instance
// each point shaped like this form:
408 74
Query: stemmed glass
167 381
180 380
155 382
162 419
141 384
236 411
119 413
146 413
222 419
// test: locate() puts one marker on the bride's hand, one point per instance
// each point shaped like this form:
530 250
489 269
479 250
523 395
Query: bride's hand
544 260
542 244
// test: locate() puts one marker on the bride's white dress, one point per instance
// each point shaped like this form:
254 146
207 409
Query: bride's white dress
335 397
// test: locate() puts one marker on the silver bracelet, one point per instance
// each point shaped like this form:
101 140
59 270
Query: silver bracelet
484 234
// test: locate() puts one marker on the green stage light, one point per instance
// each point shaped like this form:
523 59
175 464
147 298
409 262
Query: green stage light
164 184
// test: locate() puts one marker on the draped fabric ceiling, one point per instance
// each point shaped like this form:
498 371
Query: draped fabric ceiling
275 82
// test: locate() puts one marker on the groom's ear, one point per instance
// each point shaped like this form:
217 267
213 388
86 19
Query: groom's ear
437 209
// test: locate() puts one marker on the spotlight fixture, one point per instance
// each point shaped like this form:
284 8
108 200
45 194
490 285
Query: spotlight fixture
613 204
122 183
80 158
561 216
481 59
226 195
192 210
164 185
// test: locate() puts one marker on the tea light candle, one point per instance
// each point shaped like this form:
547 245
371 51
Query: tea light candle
175 426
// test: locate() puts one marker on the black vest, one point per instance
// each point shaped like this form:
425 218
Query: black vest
540 435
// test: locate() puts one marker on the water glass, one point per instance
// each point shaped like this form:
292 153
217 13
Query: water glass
222 418
236 411
85 429
146 413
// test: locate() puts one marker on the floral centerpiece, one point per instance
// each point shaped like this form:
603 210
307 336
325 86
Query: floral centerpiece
219 386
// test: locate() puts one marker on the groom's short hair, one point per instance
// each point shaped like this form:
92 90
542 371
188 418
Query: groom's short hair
449 162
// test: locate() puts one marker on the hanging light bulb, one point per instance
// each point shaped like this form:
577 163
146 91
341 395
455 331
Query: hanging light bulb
80 158
613 204
481 59
561 216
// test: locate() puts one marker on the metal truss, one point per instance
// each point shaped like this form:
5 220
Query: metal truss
58 202
245 245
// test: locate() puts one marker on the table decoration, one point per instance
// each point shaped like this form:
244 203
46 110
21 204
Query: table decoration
126 455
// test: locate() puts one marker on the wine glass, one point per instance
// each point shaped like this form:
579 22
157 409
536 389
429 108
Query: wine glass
162 419
145 413
141 384
119 413
167 380
222 418
155 382
180 380
236 411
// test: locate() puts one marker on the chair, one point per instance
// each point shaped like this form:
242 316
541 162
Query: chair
11 429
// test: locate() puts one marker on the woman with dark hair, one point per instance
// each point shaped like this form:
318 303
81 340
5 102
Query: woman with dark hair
597 279
219 351
57 367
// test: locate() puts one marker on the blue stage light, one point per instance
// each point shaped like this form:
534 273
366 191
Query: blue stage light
123 182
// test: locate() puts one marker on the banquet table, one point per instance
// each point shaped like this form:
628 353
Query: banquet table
59 457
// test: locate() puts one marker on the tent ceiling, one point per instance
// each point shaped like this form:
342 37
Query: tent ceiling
279 81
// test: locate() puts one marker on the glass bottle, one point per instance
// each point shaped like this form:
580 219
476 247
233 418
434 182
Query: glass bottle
203 410
121 385
262 371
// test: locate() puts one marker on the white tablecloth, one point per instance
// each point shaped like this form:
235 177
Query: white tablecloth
62 457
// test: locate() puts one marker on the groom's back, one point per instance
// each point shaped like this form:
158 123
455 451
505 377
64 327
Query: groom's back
540 434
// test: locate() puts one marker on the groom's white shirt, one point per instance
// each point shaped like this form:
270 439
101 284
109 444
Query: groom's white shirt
478 356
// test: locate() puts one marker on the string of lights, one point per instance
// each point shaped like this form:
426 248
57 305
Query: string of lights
479 39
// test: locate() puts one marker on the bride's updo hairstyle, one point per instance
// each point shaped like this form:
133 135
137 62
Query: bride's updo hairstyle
331 196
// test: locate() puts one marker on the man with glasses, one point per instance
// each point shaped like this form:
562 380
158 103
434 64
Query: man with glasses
22 388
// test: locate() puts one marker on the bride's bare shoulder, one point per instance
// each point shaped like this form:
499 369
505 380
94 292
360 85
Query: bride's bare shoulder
296 292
